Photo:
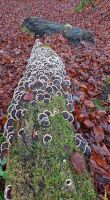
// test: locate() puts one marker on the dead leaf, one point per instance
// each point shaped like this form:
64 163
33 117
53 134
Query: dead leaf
89 104
88 123
78 162
28 97
98 133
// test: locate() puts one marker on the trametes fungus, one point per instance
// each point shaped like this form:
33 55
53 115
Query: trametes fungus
69 184
47 138
7 192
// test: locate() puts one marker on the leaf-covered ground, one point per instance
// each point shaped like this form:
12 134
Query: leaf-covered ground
87 65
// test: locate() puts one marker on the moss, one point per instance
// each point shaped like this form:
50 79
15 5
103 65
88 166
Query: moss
106 89
2 139
46 46
107 81
39 171
98 104
1 196
24 29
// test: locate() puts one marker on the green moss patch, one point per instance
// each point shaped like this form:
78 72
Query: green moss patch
39 171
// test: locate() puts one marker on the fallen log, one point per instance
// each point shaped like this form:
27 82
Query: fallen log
40 137
41 27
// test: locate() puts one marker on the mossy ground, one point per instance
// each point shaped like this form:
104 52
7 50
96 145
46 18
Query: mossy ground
39 171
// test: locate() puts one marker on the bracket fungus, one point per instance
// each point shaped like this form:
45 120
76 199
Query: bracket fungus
7 193
82 144
70 185
47 138
45 121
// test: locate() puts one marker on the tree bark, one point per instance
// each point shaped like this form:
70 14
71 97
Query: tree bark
42 27
40 134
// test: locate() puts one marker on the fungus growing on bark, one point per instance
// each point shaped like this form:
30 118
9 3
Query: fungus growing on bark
69 184
59 93
31 86
49 89
19 114
54 88
38 84
41 116
10 139
66 83
7 192
33 103
66 115
10 108
9 123
44 122
57 82
70 107
47 138
87 150
82 144
39 97
47 112
46 100
10 134
71 118
43 78
47 96
24 112
40 91
21 132
4 145
17 107
13 114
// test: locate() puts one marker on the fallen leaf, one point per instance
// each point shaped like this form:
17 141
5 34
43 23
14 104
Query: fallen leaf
98 133
89 104
78 162
100 162
88 123
28 97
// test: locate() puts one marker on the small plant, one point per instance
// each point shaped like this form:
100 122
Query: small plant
107 81
98 104
2 139
106 89
2 163
105 196
4 174
83 4
1 196
24 29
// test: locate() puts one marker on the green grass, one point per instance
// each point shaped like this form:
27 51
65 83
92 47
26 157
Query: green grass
98 104
83 4
39 171
2 139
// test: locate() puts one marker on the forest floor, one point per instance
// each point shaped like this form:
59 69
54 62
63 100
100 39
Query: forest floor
87 65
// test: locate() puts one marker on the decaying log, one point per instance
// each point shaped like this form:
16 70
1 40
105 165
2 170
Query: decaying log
41 27
39 134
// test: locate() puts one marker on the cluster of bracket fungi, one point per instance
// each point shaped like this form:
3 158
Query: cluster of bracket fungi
45 77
